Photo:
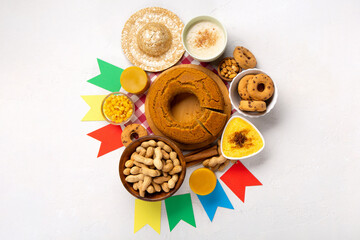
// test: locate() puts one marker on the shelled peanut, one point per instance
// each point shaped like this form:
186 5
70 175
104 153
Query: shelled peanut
229 68
153 167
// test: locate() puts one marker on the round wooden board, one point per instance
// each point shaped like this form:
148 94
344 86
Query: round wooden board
227 108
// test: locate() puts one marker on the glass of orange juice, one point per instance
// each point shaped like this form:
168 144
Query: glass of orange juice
202 181
134 80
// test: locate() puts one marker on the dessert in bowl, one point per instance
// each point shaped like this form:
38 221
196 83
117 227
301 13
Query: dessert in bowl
204 38
241 139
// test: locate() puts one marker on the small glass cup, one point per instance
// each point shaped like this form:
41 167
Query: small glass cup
109 120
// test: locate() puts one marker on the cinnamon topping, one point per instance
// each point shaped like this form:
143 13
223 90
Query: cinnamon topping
206 38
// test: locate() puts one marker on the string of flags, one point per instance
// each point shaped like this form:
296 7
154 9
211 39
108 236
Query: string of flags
178 207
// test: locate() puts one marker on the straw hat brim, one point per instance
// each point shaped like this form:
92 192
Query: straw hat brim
135 23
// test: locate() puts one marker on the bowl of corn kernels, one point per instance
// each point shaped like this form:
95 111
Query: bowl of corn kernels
117 108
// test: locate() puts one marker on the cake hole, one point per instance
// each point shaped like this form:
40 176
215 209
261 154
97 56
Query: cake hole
134 136
185 107
261 87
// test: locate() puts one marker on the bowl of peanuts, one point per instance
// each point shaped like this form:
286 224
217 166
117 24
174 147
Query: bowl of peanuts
228 69
152 168
117 108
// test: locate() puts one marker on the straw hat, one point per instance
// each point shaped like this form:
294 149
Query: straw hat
151 39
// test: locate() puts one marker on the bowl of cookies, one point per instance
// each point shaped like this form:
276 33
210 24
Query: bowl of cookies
152 168
253 93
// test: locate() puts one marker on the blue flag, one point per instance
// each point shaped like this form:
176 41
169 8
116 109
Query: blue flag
215 199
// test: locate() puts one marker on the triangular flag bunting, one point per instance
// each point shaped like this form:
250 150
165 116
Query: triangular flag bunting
215 199
109 77
237 178
110 138
147 213
94 101
179 208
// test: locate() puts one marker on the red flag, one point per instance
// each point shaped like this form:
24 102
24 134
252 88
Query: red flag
237 178
110 138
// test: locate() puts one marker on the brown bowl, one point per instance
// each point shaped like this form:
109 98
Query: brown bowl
218 69
157 196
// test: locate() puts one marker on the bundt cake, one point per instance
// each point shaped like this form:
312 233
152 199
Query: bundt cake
205 123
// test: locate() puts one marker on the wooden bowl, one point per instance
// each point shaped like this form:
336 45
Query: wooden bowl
157 196
218 69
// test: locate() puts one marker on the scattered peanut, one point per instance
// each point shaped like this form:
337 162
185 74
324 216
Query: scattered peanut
222 166
218 162
206 163
214 169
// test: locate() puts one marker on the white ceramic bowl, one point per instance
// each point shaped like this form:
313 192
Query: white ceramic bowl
235 97
190 24
251 155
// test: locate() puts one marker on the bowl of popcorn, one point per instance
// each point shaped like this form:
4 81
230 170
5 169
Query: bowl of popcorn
117 108
152 168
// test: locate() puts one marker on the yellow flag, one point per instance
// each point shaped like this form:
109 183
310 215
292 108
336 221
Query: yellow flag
94 101
147 213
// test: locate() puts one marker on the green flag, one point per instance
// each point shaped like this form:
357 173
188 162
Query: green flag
179 208
109 77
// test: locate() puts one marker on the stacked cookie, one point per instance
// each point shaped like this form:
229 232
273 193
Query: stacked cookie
254 90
